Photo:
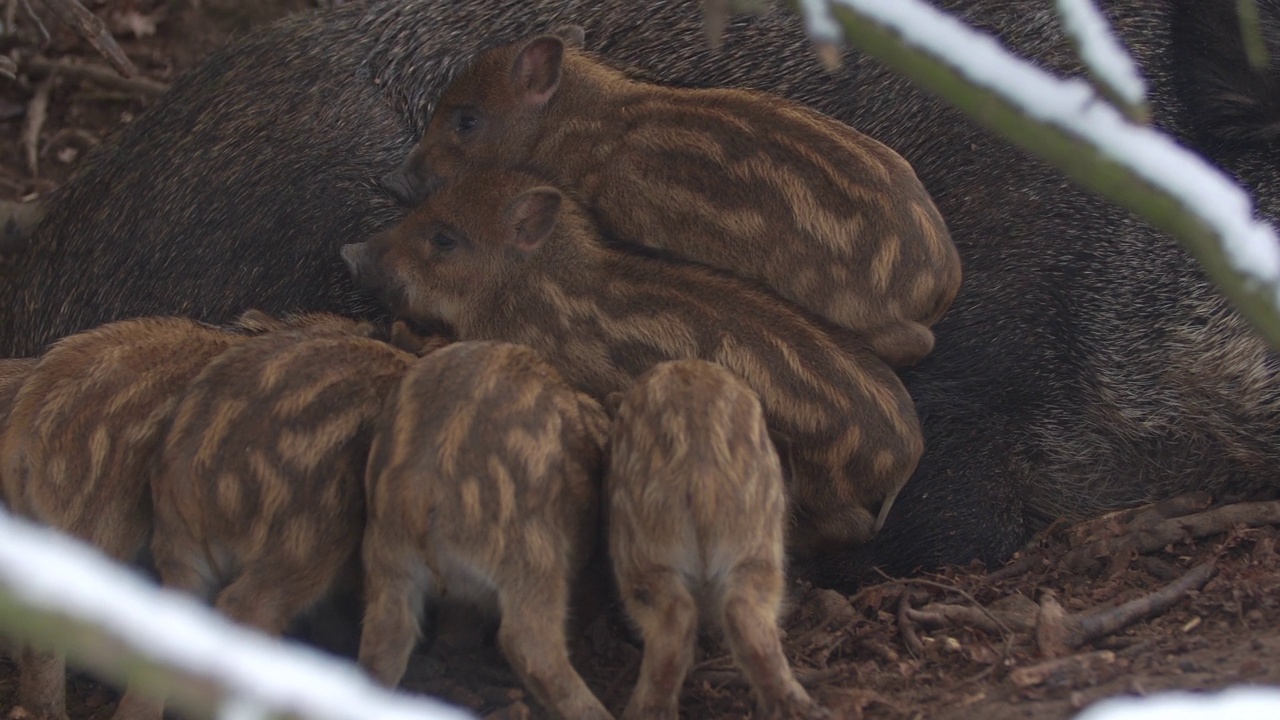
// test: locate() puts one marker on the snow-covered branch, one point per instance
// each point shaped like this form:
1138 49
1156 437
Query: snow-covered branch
1113 71
56 590
1066 123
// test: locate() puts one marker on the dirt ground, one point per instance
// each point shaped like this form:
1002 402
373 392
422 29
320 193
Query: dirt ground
959 643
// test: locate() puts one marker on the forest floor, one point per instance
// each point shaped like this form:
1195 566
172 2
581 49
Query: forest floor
958 643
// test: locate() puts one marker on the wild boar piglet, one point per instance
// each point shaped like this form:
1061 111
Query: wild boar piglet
256 485
696 518
502 256
742 180
483 485
82 435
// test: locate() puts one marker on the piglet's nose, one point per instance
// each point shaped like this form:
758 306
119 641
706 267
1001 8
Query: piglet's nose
353 255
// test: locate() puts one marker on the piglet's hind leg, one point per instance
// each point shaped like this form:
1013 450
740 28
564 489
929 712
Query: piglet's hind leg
42 683
752 596
268 598
661 605
393 604
532 637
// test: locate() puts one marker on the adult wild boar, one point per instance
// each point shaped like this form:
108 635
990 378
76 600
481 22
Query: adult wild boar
1086 363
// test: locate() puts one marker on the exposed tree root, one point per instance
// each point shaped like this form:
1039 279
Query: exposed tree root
1058 632
1148 530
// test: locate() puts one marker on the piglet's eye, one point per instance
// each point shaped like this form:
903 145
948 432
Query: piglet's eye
466 122
441 241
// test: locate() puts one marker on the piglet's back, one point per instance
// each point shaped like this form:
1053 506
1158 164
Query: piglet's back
502 395
752 183
280 413
771 190
92 412
539 273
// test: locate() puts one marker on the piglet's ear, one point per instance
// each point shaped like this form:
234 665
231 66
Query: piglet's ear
612 402
406 337
533 216
572 35
257 321
536 72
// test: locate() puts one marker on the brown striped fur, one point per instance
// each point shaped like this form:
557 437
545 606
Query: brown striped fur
258 495
87 419
77 453
12 374
483 485
742 180
83 433
696 520
501 256
261 472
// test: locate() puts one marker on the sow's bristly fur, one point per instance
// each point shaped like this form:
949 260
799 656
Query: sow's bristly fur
1086 364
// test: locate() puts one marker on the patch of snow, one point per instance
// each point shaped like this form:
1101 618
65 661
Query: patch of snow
1239 703
819 22
51 572
1105 57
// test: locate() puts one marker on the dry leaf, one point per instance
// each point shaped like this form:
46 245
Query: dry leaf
135 23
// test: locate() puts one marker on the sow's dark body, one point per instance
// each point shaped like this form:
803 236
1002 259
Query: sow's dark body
1086 364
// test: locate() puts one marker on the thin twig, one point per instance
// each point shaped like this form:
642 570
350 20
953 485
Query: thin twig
1110 68
1006 632
947 588
37 111
78 136
1015 568
809 677
44 31
96 73
942 615
13 185
91 28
